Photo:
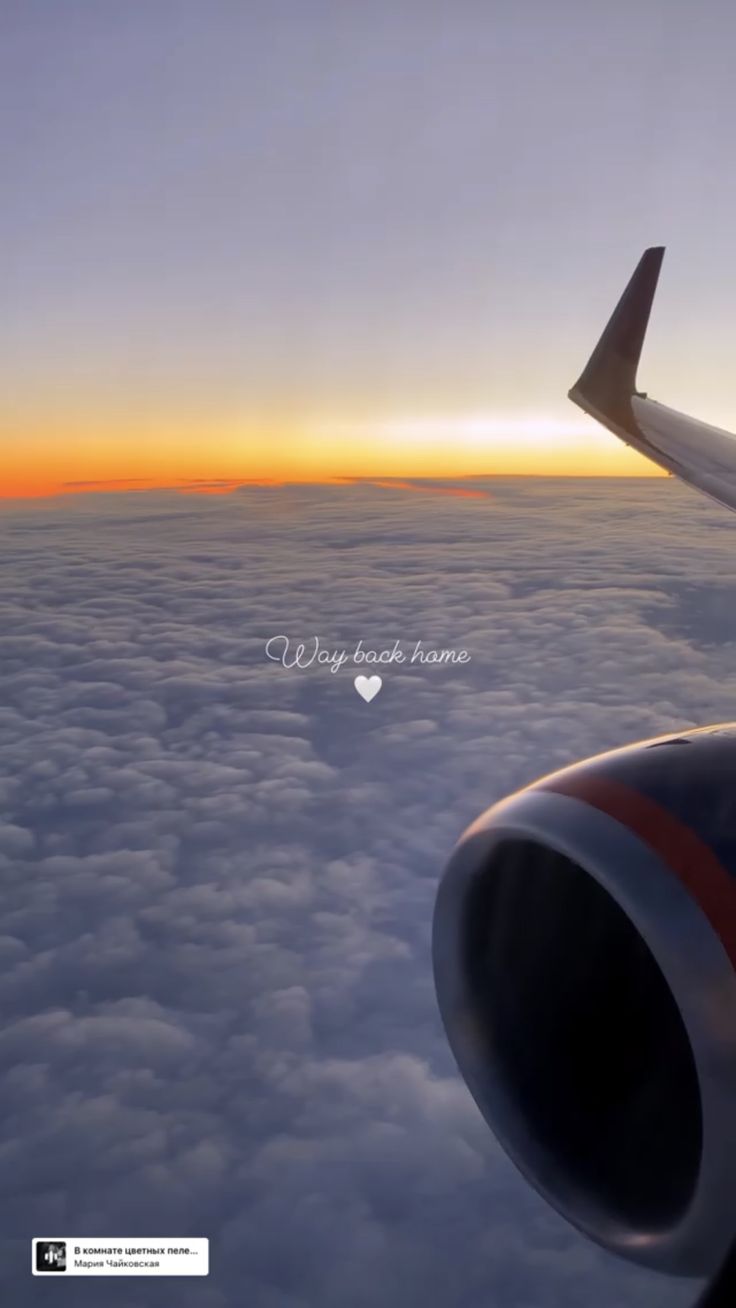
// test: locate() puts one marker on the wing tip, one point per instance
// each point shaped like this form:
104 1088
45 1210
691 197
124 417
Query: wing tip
609 378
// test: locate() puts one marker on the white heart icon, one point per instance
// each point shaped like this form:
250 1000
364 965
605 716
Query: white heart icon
367 687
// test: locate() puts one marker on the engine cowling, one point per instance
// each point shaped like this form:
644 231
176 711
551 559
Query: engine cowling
584 950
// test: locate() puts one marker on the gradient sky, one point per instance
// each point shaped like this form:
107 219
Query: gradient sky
302 238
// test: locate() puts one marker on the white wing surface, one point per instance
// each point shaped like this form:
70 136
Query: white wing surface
701 455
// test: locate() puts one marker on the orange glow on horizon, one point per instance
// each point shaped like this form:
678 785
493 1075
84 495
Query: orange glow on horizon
49 459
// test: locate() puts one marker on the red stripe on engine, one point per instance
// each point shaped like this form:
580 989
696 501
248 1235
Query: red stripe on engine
692 861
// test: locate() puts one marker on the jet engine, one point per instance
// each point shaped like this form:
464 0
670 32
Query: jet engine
584 950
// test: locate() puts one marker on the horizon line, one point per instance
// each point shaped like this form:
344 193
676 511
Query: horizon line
229 485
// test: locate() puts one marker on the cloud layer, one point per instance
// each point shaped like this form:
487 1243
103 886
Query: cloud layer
218 875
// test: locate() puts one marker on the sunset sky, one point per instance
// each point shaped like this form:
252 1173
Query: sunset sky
297 239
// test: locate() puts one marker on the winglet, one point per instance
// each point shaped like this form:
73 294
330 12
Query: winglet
609 378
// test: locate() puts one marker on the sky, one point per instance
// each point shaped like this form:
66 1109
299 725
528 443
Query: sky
270 239
218 874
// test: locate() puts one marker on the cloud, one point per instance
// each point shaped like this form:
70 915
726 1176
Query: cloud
218 875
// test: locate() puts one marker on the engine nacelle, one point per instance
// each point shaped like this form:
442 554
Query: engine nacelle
584 949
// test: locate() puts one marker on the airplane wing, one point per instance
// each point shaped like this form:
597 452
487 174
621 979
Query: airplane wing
701 455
